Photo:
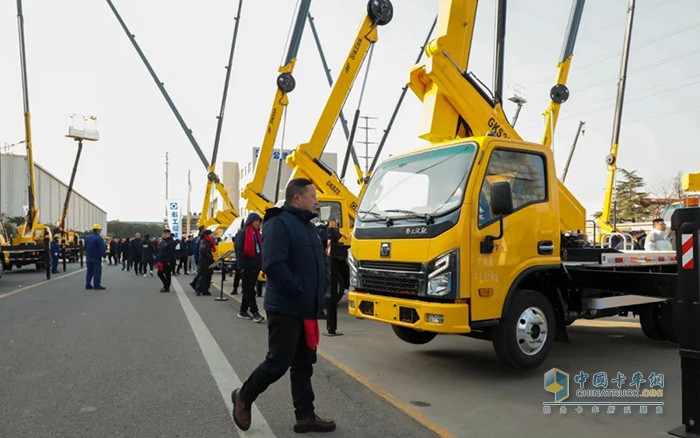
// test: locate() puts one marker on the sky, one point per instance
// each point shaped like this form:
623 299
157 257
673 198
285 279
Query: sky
80 61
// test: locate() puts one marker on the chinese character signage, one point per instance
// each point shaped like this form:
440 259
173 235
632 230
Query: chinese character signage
174 218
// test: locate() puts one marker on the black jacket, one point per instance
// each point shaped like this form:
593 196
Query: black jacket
294 263
126 248
206 256
136 250
166 251
148 249
242 261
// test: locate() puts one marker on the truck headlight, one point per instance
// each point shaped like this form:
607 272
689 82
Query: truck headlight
440 285
442 274
353 270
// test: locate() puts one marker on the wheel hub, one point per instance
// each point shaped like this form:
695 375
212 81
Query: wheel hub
531 331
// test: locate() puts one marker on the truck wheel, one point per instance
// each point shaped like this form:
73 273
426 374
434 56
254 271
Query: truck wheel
649 318
667 316
413 336
524 336
2 267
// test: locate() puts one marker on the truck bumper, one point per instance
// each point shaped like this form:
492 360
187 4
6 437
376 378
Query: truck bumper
410 313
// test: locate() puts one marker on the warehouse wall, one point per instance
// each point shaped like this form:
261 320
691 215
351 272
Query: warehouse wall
51 193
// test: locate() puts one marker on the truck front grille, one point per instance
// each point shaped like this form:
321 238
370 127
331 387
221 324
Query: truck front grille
389 284
391 266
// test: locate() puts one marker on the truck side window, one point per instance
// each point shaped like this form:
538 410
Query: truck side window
524 171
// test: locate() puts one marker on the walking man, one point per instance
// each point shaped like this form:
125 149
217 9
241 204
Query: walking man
207 248
248 245
95 249
165 259
195 256
136 253
296 283
126 254
147 252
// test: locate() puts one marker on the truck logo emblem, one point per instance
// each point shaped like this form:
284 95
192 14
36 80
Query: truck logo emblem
385 250
420 231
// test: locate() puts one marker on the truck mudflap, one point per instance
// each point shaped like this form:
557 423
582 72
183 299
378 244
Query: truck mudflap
419 315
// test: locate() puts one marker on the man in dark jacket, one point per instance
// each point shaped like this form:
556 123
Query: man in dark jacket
207 247
95 249
248 247
136 253
295 265
166 259
148 249
113 251
126 254
195 256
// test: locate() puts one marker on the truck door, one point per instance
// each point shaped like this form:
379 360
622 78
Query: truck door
530 233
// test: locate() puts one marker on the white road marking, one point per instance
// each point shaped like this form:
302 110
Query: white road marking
222 371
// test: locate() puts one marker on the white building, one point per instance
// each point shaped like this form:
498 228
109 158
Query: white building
50 194
246 173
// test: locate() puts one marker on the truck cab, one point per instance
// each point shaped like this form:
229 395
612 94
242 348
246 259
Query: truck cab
432 252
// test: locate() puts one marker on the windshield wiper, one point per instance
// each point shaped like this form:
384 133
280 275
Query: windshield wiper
375 214
411 214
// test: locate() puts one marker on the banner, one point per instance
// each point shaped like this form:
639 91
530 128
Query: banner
174 218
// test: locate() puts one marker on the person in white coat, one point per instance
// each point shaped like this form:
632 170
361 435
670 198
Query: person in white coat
657 239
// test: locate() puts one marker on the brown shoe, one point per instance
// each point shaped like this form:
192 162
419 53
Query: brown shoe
241 411
314 424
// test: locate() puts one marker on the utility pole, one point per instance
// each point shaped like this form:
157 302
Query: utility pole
581 130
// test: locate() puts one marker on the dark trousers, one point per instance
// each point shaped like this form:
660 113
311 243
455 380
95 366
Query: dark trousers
287 351
182 264
146 263
165 275
236 280
54 264
137 267
250 277
126 263
204 279
94 273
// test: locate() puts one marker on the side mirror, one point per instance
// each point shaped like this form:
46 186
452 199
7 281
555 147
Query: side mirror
501 205
501 199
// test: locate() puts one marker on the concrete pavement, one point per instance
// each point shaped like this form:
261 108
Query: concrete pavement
129 362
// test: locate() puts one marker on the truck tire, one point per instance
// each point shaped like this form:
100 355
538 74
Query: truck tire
2 267
524 335
649 318
413 336
667 317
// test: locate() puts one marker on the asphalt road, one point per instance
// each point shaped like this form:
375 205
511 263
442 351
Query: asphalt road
132 362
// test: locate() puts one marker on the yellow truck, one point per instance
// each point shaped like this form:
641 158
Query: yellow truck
475 235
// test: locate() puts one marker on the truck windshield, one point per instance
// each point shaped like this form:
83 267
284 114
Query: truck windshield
428 183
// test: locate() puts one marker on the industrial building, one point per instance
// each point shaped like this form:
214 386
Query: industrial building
50 193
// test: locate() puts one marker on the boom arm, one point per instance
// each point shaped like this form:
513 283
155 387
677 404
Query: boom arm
560 93
253 191
31 221
605 220
456 104
305 161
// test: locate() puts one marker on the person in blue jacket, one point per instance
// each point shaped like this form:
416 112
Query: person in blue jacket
55 250
95 250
